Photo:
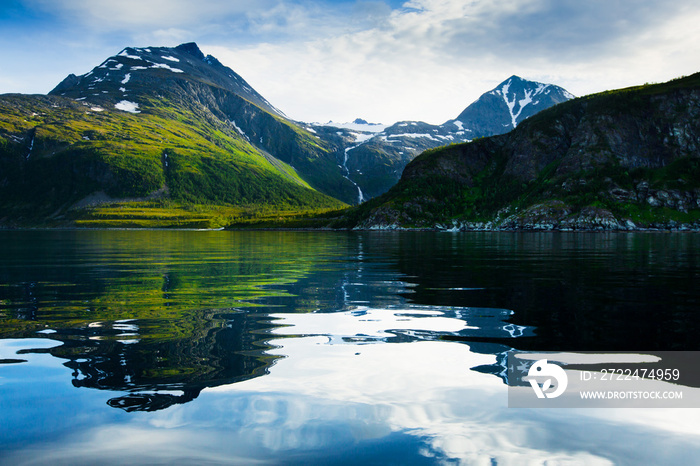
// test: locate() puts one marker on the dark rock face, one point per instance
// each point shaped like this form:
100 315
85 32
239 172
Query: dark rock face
70 81
192 49
618 160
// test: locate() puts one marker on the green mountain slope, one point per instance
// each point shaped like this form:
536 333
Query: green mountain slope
622 159
138 129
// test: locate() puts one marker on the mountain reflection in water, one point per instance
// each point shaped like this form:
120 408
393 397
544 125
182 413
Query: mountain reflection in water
163 349
153 372
320 346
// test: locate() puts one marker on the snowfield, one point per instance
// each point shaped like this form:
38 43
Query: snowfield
367 128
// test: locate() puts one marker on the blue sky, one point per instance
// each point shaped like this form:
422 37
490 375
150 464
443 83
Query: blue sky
384 61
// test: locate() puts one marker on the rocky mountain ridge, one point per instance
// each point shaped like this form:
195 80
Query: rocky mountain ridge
121 75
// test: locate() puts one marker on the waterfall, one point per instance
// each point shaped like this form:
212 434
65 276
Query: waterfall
360 196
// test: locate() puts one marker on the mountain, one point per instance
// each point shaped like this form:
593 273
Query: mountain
162 125
159 136
375 156
124 73
503 108
623 159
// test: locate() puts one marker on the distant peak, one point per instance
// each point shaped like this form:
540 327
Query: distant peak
192 49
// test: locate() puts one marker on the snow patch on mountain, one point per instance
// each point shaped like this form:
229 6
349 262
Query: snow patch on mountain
167 67
241 132
510 104
515 105
361 138
126 54
355 126
126 106
412 135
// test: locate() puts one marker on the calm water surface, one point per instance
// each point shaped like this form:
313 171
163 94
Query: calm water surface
161 347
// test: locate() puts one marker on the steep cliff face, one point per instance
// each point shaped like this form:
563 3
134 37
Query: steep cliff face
617 160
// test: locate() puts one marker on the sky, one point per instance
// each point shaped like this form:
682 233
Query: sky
383 61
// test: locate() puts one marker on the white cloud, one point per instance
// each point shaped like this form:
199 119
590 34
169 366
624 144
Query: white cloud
432 58
425 60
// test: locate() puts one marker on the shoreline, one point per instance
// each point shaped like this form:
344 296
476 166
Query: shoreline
388 228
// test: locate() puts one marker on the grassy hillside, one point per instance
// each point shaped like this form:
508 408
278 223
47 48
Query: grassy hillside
59 157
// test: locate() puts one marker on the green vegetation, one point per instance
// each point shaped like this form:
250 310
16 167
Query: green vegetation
169 214
56 152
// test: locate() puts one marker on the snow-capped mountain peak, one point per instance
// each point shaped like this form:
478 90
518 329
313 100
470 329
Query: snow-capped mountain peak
504 107
137 70
513 99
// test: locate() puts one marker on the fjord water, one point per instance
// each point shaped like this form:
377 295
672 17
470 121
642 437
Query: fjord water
195 347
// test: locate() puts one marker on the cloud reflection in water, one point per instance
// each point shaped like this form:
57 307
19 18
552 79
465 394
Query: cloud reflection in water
331 397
